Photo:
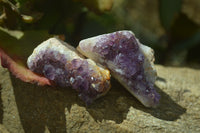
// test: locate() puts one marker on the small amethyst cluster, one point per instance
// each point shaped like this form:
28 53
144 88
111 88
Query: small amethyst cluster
121 54
51 67
76 72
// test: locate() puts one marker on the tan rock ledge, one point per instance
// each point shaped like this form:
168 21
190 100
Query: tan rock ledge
30 108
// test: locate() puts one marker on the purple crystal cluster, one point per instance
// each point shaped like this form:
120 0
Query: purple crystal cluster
130 62
120 53
123 52
76 72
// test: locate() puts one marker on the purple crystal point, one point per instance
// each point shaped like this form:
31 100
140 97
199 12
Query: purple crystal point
129 61
60 63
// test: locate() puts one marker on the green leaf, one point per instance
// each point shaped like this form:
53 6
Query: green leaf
24 46
14 33
169 9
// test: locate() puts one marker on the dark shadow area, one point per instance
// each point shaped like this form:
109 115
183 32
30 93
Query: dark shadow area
1 107
166 110
161 79
121 100
113 106
45 106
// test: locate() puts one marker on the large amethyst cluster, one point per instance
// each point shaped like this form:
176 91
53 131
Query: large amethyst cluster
127 60
65 67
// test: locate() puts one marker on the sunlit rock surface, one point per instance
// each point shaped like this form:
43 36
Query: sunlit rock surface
41 109
130 62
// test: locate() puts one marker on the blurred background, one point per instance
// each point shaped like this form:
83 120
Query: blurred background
170 27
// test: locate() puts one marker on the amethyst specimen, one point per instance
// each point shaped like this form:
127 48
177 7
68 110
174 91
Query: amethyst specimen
60 63
130 62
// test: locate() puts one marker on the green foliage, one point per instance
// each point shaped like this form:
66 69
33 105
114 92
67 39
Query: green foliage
24 23
169 9
23 46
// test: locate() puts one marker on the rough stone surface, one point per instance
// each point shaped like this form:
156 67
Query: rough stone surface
52 109
190 8
3 129
136 12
